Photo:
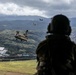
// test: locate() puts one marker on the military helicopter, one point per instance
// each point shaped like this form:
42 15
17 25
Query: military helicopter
34 24
21 37
41 19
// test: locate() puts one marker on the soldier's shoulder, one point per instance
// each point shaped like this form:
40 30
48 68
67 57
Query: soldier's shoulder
41 46
43 42
74 44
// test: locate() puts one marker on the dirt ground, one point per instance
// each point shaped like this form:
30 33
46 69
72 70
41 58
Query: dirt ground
12 73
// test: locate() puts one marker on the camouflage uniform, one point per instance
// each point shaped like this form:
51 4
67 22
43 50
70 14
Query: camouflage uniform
53 58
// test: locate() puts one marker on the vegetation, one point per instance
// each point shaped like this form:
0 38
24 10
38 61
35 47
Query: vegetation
15 47
25 67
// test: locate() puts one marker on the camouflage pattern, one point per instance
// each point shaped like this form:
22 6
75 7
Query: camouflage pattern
56 56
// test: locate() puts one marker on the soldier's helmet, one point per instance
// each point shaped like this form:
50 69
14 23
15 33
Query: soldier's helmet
60 24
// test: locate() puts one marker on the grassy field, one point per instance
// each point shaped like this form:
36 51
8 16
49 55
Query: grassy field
25 67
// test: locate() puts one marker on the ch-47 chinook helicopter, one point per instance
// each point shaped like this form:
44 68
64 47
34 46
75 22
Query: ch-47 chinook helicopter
20 36
41 19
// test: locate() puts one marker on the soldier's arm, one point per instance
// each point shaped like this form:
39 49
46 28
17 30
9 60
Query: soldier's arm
74 64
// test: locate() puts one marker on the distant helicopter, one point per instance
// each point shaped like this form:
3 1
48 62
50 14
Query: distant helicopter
21 37
41 19
34 24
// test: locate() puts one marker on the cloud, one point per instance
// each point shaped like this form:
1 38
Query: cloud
38 7
13 9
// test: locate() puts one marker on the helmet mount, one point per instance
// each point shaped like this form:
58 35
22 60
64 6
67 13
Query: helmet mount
60 24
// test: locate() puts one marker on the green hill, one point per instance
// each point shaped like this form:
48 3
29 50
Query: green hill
16 47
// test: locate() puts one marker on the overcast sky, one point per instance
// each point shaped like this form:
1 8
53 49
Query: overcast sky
45 8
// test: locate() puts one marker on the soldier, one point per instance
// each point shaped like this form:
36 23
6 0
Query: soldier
56 54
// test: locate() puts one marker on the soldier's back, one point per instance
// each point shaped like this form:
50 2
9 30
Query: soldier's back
57 54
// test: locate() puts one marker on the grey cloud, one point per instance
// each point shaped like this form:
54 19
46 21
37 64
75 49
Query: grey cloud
31 3
50 8
39 4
